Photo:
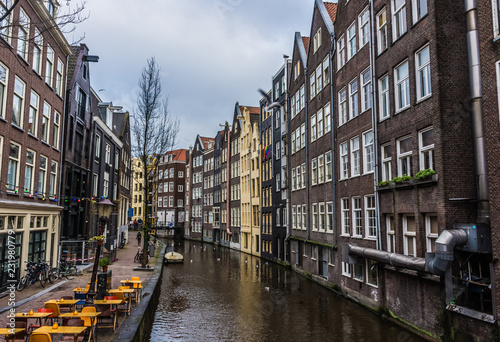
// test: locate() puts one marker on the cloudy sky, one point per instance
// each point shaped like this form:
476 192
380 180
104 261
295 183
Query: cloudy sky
212 53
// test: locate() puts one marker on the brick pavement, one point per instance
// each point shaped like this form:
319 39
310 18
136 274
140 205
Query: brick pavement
123 268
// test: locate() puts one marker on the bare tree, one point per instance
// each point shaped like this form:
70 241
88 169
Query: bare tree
155 132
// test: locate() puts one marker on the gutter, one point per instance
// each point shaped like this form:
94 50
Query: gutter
306 99
334 149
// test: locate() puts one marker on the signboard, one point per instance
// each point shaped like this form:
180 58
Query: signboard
130 212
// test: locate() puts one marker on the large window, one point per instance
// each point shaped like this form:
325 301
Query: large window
107 157
312 85
46 122
423 73
405 166
342 106
18 102
402 85
355 159
340 52
371 272
391 233
313 128
369 155
29 172
4 76
353 99
57 123
398 18
315 216
5 25
53 179
370 217
97 146
328 118
33 114
49 66
329 217
419 9
37 52
366 86
357 229
383 98
351 41
344 159
105 185
37 245
328 166
364 28
13 169
382 31
386 162
431 232
410 235
42 176
23 35
344 202
426 147
59 78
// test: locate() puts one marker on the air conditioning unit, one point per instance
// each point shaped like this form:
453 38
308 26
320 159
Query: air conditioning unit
478 237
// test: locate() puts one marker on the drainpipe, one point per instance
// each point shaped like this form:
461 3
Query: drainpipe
307 154
476 94
332 124
375 129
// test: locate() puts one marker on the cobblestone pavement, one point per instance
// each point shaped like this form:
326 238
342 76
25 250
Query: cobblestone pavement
35 296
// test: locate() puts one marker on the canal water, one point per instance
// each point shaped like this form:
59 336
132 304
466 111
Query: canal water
219 294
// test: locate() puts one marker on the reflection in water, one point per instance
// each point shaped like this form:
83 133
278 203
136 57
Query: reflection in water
221 294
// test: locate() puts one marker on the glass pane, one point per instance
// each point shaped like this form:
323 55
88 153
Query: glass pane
405 145
434 224
410 223
428 138
387 151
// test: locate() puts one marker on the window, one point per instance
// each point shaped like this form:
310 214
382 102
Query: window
105 190
302 136
355 160
6 23
313 127
419 9
342 107
431 231
328 118
329 217
107 157
277 150
37 52
81 99
426 147
321 169
402 85
181 174
49 4
410 235
321 217
23 35
98 147
346 269
383 85
29 172
304 217
4 76
495 7
353 99
423 73
315 217
357 229
320 123
33 113
371 272
391 233
405 157
381 31
370 218
386 162
170 201
171 187
53 179
294 217
351 41
49 66
294 180
160 187
296 69
344 159
328 166
18 104
172 173
317 40
319 78
180 203
366 86
303 177
398 18
326 70
117 159
13 169
358 270
55 132
346 228
95 184
364 28
340 52
312 85
369 155
160 201
314 168
42 176
46 122
59 78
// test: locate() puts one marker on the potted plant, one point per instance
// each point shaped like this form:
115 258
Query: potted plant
104 262
98 238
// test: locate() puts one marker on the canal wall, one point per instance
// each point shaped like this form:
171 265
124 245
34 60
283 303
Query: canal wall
137 327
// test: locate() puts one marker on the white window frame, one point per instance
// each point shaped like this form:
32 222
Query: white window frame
346 269
366 90
386 162
368 152
320 123
353 99
391 233
13 168
315 217
342 106
56 130
4 81
327 117
42 176
409 237
33 113
402 87
328 166
18 101
24 32
426 153
49 66
341 53
37 52
419 10
29 176
345 217
344 160
382 31
313 128
431 236
370 217
383 98
312 85
364 27
355 157
95 185
314 171
60 77
321 169
351 41
53 178
399 23
357 217
423 74
405 158
97 146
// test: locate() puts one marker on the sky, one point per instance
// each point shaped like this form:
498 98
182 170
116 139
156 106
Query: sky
212 53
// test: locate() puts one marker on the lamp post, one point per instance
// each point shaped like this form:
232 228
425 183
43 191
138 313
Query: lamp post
104 208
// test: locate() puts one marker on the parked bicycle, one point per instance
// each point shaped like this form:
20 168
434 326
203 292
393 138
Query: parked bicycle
66 269
138 256
35 271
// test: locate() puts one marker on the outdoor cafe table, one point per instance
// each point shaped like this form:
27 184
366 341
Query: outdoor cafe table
36 315
47 329
129 282
91 315
66 302
114 302
10 333
128 292
80 290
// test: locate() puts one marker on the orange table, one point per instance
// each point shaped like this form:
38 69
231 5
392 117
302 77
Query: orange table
61 330
91 315
10 333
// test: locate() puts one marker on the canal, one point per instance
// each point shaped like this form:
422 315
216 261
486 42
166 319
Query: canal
220 294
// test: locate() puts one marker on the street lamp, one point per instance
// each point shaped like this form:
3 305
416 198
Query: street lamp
104 209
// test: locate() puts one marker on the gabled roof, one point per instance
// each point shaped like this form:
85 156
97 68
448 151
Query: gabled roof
332 10
205 141
179 155
302 45
305 41
328 12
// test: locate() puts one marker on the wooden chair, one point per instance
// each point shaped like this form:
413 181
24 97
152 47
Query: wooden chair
74 322
65 308
107 317
20 336
40 337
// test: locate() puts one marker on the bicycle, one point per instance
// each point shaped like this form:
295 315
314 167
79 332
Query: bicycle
65 269
138 256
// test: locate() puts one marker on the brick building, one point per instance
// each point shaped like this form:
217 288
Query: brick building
234 185
208 192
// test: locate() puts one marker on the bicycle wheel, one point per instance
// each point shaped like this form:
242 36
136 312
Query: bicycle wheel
137 257
55 273
51 277
43 278
68 272
22 283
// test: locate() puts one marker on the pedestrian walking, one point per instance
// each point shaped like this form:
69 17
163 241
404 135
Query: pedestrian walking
138 238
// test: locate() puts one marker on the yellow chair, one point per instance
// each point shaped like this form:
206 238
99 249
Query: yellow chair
138 288
87 320
121 296
39 337
55 307
123 287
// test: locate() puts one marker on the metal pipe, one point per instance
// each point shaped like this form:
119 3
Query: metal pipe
332 124
445 244
476 94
